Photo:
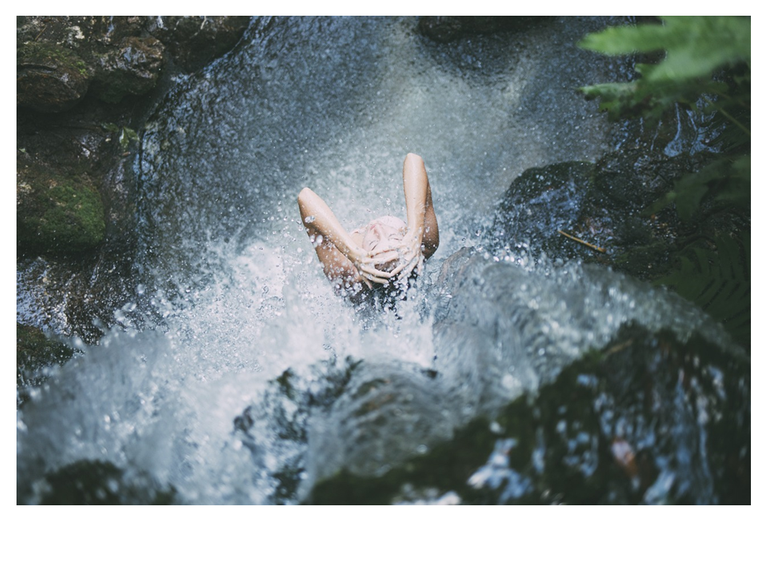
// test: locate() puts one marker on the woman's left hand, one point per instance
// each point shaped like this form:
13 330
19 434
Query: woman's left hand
411 256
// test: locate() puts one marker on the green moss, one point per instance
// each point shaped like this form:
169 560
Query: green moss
59 215
55 56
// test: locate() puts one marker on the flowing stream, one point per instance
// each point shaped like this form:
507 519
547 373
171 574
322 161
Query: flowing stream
231 300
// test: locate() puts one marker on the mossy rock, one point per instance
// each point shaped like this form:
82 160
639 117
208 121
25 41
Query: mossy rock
50 78
132 68
58 214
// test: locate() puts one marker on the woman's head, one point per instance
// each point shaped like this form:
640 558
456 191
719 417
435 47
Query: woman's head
383 234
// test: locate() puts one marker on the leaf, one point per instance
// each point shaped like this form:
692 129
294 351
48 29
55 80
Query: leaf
695 48
718 281
699 45
623 40
726 180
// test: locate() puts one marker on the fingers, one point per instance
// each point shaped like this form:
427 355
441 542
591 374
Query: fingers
400 268
374 274
408 266
368 278
372 265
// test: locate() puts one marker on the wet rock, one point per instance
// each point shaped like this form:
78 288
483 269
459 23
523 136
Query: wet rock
387 413
97 76
604 204
34 351
447 28
79 33
194 41
542 201
50 78
57 213
133 68
94 482
646 419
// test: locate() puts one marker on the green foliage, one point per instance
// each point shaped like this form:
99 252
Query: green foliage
126 135
719 282
706 66
726 181
696 47
702 63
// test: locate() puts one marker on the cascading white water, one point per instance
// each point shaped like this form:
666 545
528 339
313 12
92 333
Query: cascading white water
231 293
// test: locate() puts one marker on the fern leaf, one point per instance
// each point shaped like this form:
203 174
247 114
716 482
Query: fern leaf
718 281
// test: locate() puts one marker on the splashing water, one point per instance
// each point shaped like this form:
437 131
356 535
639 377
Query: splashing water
232 297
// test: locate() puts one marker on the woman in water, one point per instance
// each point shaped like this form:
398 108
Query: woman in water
383 251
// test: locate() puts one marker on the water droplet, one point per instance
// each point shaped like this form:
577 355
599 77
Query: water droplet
309 219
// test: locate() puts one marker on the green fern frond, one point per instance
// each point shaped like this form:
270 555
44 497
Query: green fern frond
695 47
726 180
719 282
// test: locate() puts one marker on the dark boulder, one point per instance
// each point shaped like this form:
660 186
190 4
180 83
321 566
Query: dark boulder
605 204
94 482
57 213
50 78
194 41
132 68
447 28
645 420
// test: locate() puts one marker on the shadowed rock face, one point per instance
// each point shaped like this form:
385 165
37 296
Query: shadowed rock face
84 86
133 67
447 28
195 41
50 78
646 419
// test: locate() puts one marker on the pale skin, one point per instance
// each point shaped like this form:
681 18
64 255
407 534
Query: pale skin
345 259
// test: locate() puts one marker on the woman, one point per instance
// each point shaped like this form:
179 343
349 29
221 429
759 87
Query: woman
384 250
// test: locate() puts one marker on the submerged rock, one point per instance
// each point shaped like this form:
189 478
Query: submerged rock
96 482
387 413
647 419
